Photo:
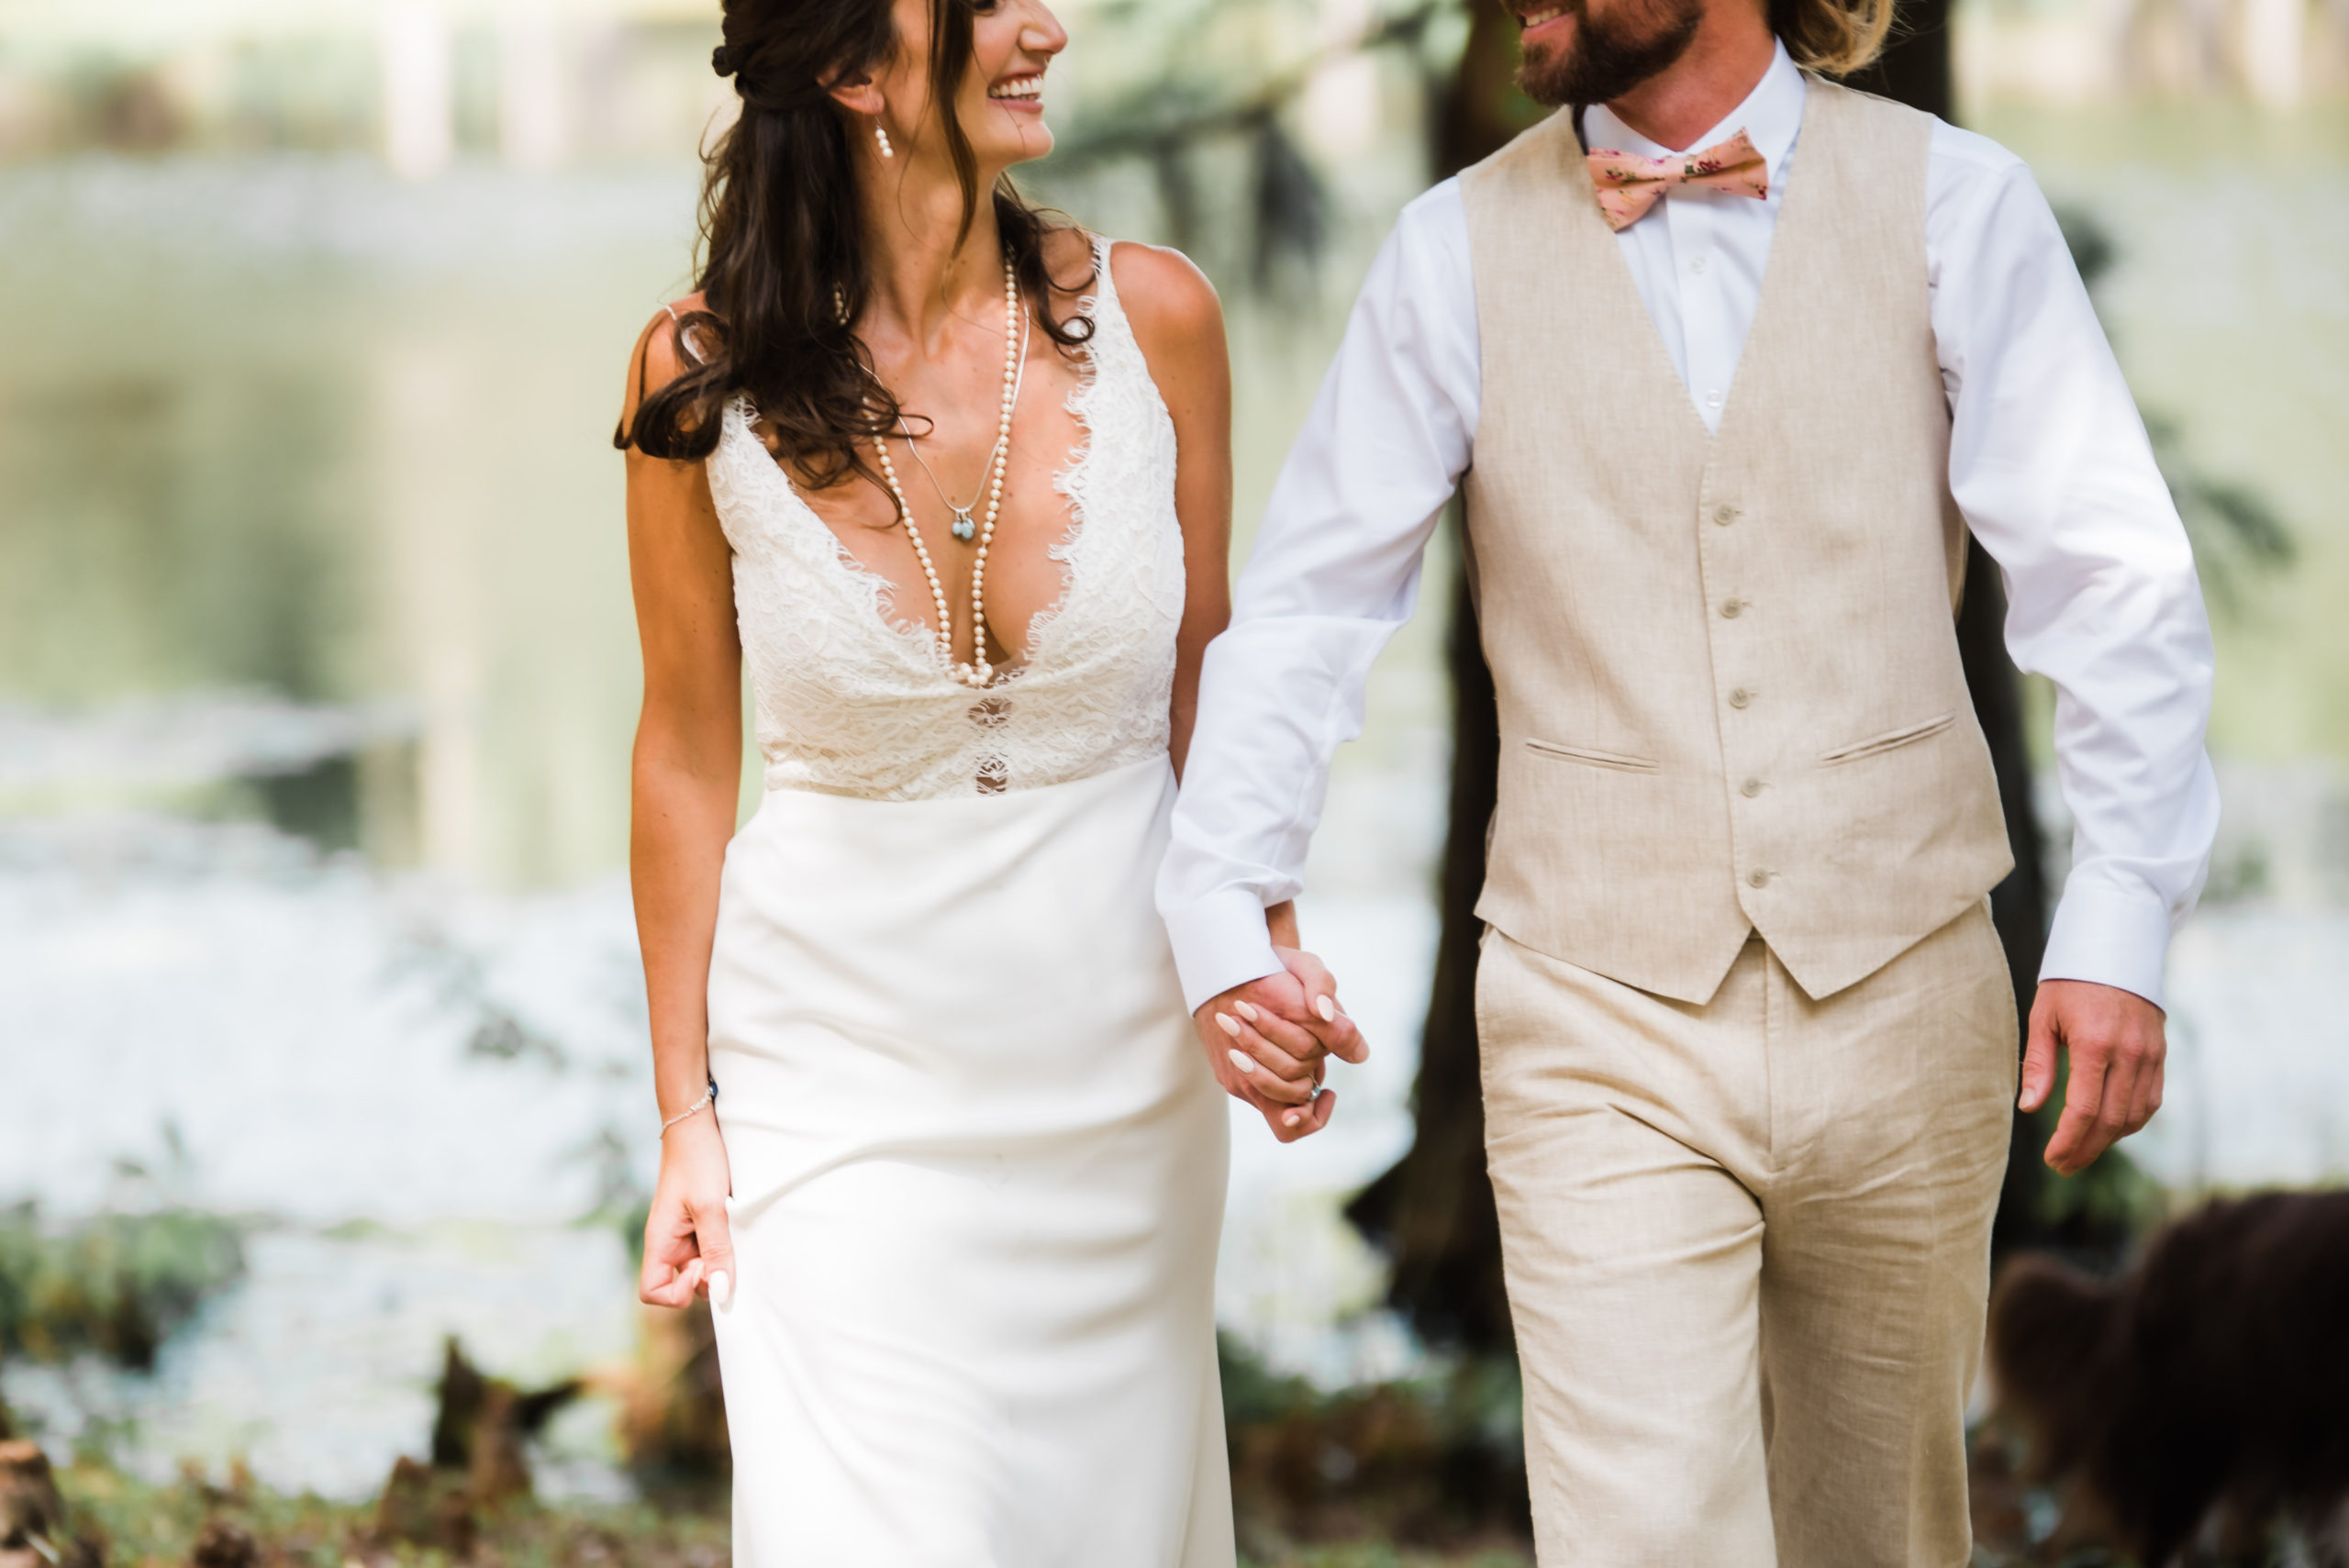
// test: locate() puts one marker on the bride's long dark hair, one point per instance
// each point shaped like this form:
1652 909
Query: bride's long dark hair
784 246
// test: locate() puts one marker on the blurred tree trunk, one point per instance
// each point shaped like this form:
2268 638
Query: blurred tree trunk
1915 70
1433 1213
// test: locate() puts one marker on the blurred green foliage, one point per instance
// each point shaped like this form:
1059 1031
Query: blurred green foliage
1422 1471
2097 1217
116 1285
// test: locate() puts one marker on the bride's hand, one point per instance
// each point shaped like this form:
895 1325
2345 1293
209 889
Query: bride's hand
688 1250
1266 1040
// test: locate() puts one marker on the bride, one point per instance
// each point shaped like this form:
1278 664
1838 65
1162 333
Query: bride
956 484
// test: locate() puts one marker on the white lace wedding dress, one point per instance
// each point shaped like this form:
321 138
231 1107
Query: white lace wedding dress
978 1162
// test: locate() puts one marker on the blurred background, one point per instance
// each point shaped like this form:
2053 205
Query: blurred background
321 1029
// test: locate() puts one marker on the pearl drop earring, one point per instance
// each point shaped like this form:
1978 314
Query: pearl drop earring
886 151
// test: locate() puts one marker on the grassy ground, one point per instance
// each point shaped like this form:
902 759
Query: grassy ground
159 1526
143 1525
139 1525
1426 1473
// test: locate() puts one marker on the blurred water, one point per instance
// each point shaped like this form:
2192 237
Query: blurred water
317 677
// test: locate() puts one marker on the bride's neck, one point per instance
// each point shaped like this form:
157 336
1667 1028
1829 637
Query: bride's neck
922 280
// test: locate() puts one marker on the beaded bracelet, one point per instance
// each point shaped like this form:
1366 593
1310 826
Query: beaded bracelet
708 1096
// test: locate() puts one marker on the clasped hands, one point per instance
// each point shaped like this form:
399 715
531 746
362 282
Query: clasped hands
1268 1042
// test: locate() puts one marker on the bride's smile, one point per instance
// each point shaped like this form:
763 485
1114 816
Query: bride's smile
1024 93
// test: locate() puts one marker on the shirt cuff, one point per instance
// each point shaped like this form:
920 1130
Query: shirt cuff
2110 936
1220 941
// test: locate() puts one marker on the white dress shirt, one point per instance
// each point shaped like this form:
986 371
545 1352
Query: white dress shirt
2048 461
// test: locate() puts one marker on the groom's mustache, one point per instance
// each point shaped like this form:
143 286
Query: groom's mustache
1533 12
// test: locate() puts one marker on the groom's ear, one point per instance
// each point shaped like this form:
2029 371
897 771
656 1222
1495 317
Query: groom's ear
858 93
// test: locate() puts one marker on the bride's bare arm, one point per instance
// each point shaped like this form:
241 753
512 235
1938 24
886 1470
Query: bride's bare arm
1178 322
685 782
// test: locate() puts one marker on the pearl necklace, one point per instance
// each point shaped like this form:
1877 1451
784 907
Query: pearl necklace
978 673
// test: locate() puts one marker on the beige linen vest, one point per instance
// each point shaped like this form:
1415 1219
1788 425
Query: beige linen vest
1729 692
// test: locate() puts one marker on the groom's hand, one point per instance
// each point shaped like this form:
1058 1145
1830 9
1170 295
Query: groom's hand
2116 1044
1265 1042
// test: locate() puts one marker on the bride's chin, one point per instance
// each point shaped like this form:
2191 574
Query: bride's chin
1025 142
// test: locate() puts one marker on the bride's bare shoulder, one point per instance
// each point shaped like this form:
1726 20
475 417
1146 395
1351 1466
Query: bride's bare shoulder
1169 301
661 354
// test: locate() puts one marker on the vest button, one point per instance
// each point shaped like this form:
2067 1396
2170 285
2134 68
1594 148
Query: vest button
1732 609
1740 697
1757 879
1724 514
1749 789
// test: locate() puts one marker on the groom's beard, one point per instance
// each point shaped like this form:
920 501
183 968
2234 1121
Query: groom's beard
1608 59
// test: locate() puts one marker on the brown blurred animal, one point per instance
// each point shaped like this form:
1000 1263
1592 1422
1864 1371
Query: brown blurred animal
2205 1389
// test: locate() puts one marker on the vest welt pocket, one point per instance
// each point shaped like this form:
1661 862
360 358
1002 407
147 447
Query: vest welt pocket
1873 745
1591 757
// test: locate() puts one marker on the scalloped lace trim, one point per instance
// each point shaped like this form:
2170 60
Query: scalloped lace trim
852 699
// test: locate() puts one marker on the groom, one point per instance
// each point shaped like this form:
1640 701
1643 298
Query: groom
1734 365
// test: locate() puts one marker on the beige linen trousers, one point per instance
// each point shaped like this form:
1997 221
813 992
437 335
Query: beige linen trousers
1747 1247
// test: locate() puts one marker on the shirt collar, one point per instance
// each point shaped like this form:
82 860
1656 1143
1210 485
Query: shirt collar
1771 117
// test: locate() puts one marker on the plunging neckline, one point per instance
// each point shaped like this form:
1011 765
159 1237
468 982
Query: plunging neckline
854 697
881 591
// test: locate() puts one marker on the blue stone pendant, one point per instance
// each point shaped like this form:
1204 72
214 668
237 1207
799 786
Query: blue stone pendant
965 530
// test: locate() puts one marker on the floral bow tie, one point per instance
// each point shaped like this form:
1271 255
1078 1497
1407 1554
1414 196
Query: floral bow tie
1629 184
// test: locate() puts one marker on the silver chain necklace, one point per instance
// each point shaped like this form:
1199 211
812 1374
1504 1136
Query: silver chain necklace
965 527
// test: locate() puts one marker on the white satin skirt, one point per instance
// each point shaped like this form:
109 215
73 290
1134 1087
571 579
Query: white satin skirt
978 1166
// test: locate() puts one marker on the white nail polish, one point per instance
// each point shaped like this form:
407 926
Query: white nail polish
1230 1025
721 1289
1245 1009
1243 1061
1291 1119
1327 1008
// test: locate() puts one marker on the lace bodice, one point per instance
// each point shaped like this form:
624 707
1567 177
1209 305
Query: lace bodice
852 701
